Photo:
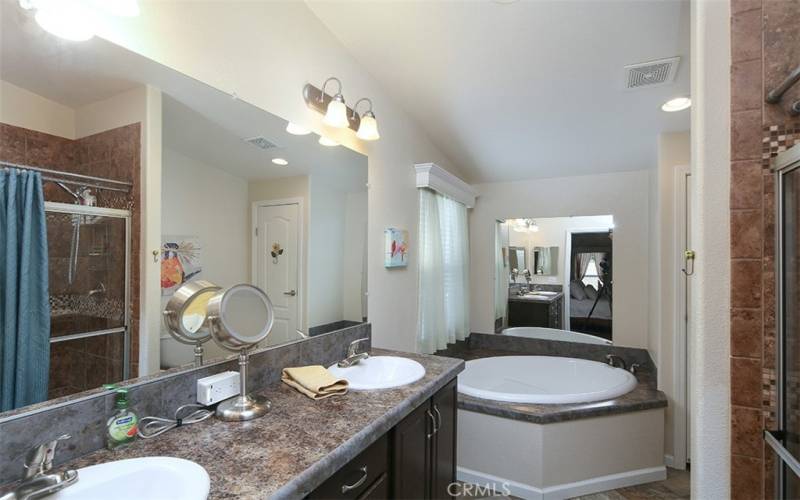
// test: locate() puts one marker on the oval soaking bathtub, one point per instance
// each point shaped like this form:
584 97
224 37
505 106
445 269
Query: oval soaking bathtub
543 379
538 332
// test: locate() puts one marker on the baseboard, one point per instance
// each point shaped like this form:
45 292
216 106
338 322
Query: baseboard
566 490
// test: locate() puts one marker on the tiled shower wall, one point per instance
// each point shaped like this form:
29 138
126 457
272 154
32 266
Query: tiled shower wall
114 154
765 47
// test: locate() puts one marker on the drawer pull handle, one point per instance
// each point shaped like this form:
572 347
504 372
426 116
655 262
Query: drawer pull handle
438 417
434 427
348 487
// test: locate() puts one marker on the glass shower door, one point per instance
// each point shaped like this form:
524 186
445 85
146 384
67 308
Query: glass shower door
88 250
786 440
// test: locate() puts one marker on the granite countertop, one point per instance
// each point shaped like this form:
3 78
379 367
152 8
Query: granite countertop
542 299
295 447
644 396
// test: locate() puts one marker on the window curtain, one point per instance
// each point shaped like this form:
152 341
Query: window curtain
582 262
443 272
24 306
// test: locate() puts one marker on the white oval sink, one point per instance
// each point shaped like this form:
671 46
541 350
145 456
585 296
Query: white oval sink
147 478
380 372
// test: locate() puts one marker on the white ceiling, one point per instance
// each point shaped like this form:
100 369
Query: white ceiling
523 90
199 121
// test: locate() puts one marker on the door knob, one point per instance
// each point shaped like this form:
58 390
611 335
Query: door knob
290 293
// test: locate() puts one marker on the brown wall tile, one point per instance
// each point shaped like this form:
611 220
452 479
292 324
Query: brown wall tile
738 6
746 142
746 334
747 426
746 382
746 36
746 283
746 240
746 477
746 179
746 90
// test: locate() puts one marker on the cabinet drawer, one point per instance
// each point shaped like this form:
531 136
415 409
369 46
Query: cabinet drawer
359 475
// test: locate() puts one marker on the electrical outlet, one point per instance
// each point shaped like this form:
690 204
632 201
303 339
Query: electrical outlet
211 390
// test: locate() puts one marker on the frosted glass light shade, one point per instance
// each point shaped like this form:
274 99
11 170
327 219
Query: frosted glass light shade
65 19
296 129
327 142
336 116
368 129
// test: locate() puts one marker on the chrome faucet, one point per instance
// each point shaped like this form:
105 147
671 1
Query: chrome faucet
37 482
101 289
614 360
353 356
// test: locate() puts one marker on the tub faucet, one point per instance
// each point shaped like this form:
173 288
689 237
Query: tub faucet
353 356
37 482
614 360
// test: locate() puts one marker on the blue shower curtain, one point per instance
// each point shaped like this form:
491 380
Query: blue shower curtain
24 306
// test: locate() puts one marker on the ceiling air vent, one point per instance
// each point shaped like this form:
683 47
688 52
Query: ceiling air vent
652 73
261 142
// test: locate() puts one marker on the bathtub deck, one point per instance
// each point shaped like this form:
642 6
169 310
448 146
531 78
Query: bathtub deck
644 397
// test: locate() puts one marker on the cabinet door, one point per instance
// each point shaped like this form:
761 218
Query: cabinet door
411 465
445 410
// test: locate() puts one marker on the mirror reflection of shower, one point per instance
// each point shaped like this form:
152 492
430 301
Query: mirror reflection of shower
83 196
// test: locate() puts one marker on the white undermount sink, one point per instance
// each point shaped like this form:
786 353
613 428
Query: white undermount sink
543 293
148 478
380 372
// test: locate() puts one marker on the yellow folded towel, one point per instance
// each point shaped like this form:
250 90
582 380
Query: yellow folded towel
314 381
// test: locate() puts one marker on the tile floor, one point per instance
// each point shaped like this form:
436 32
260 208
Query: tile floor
676 486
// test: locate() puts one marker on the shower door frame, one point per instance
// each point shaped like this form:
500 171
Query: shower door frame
783 164
116 213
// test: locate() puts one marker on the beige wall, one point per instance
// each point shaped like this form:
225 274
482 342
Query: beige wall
25 109
622 195
187 185
269 51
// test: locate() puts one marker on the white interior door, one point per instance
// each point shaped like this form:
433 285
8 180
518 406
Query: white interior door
277 232
684 268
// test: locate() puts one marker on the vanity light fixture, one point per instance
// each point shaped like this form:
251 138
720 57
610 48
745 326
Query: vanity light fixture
280 161
76 20
336 113
296 129
327 142
368 128
676 104
525 226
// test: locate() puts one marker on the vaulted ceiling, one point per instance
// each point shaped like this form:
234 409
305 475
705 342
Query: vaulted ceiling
526 89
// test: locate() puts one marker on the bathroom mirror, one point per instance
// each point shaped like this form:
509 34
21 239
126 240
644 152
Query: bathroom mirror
571 286
163 181
516 259
240 316
545 261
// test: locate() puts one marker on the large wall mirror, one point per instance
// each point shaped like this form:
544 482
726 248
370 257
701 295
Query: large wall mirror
241 200
567 283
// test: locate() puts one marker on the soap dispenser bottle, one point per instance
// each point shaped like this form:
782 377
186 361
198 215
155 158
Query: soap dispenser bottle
122 424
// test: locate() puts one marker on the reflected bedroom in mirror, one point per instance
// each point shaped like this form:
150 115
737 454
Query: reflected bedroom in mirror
554 278
132 181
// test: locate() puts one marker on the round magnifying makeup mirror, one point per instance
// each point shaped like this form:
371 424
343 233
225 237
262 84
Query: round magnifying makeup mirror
239 317
185 315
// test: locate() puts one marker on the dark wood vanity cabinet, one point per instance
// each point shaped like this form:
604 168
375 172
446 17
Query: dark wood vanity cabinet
546 314
416 459
424 448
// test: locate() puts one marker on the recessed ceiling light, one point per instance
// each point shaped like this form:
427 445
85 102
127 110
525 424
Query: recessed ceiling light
327 142
280 161
676 104
296 129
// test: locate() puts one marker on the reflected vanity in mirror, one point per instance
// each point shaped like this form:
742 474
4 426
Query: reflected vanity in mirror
160 192
569 288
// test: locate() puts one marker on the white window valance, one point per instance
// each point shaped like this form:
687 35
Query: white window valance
432 176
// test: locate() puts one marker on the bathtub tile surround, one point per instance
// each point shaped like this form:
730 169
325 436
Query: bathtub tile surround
84 415
765 46
301 442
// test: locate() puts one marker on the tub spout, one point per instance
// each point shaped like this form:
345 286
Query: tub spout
616 361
